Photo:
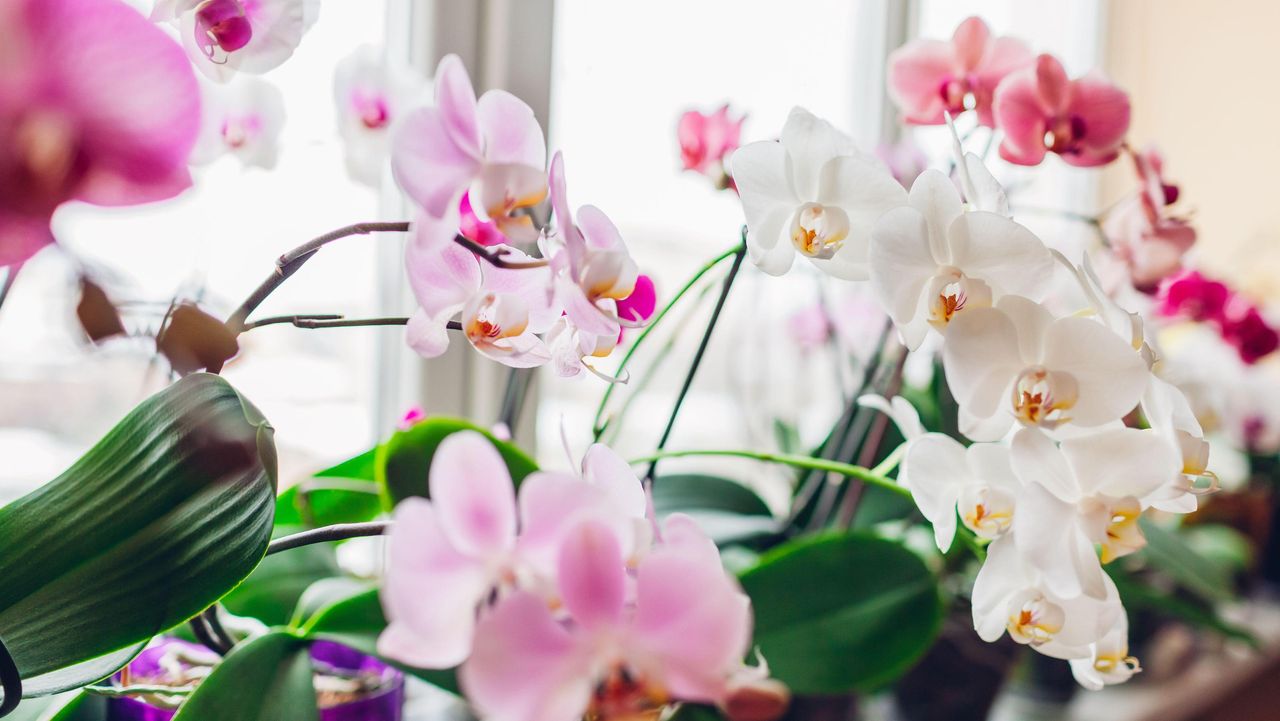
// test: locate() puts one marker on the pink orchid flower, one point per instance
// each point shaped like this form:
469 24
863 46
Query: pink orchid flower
471 227
491 147
929 78
1191 295
411 418
226 36
594 270
370 92
810 327
605 656
474 539
1144 233
706 140
96 104
1041 110
243 119
502 309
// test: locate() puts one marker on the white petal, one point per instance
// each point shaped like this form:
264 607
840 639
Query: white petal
985 193
901 262
1044 527
935 468
1010 258
1121 463
760 172
1109 374
1032 321
768 249
1035 458
981 359
810 142
936 197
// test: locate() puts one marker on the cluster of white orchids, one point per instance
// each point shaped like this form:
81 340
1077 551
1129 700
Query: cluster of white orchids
1054 479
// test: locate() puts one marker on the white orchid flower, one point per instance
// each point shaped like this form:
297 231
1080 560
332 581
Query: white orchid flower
813 193
1110 662
931 260
1169 414
242 118
981 190
1009 595
1086 492
899 410
1016 361
944 476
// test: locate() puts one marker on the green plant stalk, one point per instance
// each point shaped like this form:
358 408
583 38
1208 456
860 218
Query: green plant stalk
597 426
817 464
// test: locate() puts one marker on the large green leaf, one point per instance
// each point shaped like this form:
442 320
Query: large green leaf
325 502
363 467
272 591
356 621
727 511
266 679
1166 551
405 459
169 511
837 613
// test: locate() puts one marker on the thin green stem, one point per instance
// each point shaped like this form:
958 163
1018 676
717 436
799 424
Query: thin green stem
700 353
596 424
816 464
139 690
890 461
336 532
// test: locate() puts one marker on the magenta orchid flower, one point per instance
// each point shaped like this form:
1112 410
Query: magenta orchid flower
502 309
1144 233
1250 333
640 305
1192 295
474 539
226 36
96 104
370 93
705 142
929 78
243 119
606 656
491 148
1041 110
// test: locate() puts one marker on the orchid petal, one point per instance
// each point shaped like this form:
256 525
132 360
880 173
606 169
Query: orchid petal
810 142
934 466
1110 376
473 493
510 130
428 165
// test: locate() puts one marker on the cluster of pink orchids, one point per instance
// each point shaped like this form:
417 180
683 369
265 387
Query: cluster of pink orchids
565 599
1193 296
477 169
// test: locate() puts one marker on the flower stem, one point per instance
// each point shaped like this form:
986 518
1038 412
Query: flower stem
336 532
494 256
817 464
140 690
290 262
870 445
702 349
598 426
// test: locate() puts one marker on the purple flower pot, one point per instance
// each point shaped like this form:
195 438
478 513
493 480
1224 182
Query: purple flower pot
384 705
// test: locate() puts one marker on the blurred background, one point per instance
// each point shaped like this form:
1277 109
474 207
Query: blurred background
609 80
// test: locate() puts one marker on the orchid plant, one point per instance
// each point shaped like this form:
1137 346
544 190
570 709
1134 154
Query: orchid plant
614 592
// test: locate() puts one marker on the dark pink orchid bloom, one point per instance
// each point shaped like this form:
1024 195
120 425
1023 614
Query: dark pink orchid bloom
929 78
706 140
96 104
1191 295
1246 329
1041 110
640 305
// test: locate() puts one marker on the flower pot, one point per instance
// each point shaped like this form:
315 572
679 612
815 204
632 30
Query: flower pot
383 704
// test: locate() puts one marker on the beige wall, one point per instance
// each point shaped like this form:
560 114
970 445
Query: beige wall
1205 82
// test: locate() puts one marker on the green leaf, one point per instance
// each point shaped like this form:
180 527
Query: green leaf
73 677
1166 551
324 592
726 510
266 679
837 613
696 712
356 621
168 512
405 459
325 502
272 591
363 467
76 707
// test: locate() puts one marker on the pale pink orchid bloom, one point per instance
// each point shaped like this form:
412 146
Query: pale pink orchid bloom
502 309
243 119
1041 110
223 37
594 272
603 655
475 539
706 140
929 78
370 93
492 148
1144 233
96 104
